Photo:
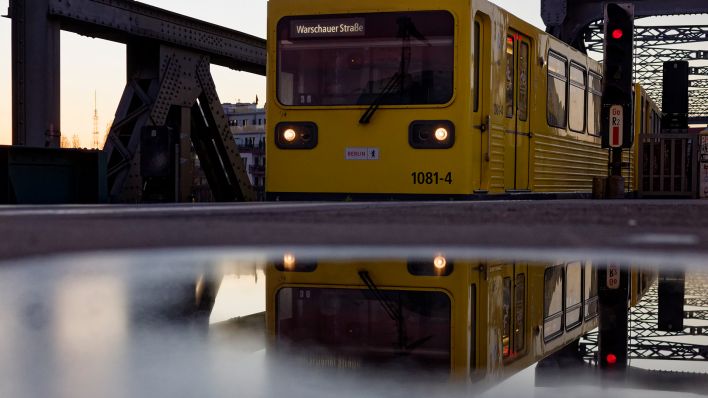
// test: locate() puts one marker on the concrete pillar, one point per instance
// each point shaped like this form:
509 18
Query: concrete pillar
35 75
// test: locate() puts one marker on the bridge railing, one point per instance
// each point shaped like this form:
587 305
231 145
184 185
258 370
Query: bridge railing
668 165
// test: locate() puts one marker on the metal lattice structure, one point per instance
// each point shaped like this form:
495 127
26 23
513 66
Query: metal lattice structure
646 342
169 95
651 52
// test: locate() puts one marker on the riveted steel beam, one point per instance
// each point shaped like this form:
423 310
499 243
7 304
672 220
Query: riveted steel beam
35 75
127 21
168 79
172 91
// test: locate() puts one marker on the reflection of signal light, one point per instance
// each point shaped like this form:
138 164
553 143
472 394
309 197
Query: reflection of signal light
611 359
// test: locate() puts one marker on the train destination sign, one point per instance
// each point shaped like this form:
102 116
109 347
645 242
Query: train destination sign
339 27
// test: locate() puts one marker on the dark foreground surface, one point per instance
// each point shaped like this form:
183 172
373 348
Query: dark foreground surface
663 225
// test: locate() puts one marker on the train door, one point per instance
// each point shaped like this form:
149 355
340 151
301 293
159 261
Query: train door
523 129
480 105
516 114
514 310
520 310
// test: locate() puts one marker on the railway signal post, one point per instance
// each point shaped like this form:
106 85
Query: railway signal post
613 295
617 79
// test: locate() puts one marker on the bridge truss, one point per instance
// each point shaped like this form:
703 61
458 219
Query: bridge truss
654 45
169 104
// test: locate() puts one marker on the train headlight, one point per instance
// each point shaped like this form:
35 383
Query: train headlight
296 135
431 134
289 135
291 264
439 262
439 266
441 134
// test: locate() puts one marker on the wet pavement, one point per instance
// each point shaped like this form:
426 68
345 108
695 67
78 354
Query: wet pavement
660 226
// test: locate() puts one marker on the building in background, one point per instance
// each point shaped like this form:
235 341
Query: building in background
247 124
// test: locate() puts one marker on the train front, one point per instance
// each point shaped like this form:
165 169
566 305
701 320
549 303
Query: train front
368 317
365 103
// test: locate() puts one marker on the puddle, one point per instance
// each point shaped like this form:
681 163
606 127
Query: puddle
319 321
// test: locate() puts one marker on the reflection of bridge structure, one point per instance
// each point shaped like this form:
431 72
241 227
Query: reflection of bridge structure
647 342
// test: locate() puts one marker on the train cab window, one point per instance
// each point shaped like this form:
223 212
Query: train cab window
519 312
360 326
573 295
577 100
510 75
557 81
590 291
506 314
553 302
594 103
388 58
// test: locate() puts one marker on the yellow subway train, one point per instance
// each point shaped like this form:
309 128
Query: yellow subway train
409 98
470 320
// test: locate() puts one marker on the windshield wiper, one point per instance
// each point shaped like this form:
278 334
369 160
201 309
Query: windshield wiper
396 314
392 83
406 30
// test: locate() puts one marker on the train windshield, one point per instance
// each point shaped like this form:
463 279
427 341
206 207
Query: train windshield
357 59
355 328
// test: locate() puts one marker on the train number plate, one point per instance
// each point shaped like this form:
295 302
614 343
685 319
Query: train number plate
431 178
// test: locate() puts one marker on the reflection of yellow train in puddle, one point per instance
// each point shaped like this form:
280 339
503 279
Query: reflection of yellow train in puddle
465 318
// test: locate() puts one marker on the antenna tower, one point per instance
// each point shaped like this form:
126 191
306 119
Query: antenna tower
95 121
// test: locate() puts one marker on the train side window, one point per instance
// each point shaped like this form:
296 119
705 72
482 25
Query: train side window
577 100
553 302
573 295
510 43
506 313
642 121
594 103
519 312
557 81
523 100
590 291
477 32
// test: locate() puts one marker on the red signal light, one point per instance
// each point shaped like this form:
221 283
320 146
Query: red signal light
611 359
617 34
